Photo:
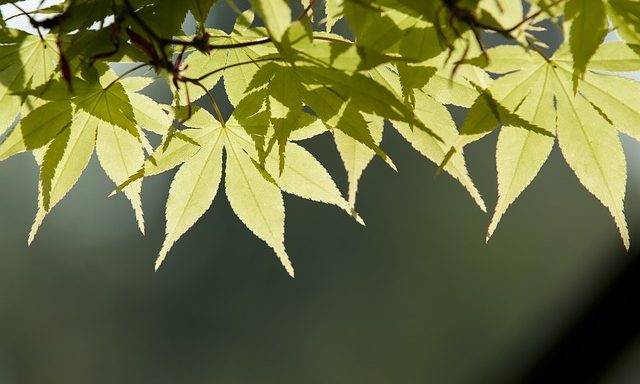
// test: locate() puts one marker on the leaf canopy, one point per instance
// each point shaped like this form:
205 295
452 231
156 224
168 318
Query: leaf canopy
290 73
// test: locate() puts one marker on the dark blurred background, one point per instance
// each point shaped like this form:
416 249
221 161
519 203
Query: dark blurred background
415 297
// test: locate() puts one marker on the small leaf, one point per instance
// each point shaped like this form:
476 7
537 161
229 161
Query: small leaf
356 156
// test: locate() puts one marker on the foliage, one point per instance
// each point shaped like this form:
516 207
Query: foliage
290 77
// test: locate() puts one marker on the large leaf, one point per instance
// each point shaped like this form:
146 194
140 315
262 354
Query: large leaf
592 149
63 164
256 201
120 155
27 62
521 152
276 15
192 191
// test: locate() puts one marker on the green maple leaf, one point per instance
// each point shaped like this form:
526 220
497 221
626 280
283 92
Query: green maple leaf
253 192
276 15
588 141
439 120
25 62
625 17
355 155
587 25
103 120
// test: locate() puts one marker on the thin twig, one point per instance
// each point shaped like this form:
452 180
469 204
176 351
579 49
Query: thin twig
33 21
198 79
306 11
125 73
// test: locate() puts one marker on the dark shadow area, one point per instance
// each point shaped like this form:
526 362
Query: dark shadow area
599 335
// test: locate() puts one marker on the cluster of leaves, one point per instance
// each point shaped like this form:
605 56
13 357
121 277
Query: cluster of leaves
292 78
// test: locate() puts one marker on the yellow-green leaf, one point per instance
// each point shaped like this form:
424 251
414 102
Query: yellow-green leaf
355 155
37 128
257 202
520 154
276 15
588 27
67 167
120 155
592 149
192 191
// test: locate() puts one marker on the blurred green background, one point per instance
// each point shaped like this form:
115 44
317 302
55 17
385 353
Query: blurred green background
415 297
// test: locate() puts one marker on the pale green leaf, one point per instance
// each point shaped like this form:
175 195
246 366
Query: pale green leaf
302 175
120 155
457 90
520 154
28 63
148 114
197 65
192 191
276 15
334 10
501 102
238 77
68 166
178 146
49 158
439 120
356 156
588 27
37 128
108 102
616 56
257 202
593 150
625 17
136 83
308 126
617 98
505 58
507 12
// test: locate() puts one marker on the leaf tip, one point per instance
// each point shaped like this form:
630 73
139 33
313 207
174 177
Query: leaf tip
489 234
158 263
36 225
286 262
163 254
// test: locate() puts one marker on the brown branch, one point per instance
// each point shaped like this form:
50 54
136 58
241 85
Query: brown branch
306 11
